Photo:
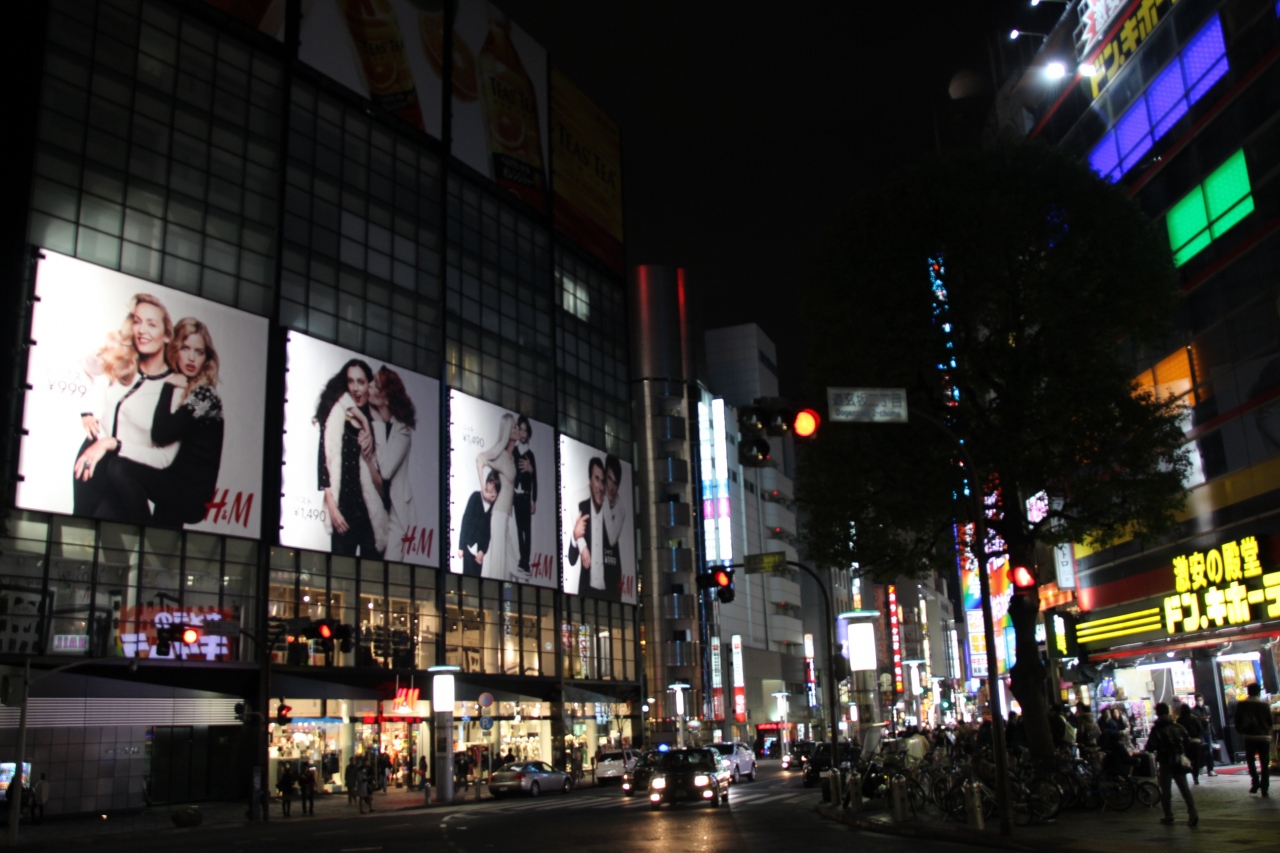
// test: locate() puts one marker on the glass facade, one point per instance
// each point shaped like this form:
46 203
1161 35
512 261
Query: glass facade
180 147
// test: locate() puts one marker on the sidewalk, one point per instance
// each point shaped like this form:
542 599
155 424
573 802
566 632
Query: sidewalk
59 831
1229 819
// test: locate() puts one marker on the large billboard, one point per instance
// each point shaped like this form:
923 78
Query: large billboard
144 404
393 53
502 484
597 520
361 456
586 172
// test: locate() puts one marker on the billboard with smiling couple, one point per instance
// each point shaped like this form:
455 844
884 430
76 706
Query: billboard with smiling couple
361 451
502 482
599 550
144 404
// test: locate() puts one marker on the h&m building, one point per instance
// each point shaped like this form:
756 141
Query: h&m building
1175 102
316 314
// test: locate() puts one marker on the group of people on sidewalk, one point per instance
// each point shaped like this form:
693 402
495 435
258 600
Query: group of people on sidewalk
34 798
1175 740
302 782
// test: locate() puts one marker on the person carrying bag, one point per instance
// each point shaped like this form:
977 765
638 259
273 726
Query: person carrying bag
1169 742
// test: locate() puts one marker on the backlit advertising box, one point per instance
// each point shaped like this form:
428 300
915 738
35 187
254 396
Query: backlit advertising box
502 494
361 456
598 554
144 404
393 53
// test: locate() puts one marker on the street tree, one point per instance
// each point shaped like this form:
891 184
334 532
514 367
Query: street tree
1053 291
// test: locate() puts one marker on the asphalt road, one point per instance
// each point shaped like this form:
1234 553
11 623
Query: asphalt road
772 814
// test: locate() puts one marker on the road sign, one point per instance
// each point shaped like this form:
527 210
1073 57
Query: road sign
773 561
486 723
867 405
486 699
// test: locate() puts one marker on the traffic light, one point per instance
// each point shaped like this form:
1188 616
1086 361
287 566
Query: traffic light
1026 598
189 634
324 630
164 641
805 423
753 447
720 579
1022 578
282 714
722 583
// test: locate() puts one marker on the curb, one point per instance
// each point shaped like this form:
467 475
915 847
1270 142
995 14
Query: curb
954 833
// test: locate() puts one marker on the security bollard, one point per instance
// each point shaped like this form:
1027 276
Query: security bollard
973 805
426 792
854 799
898 798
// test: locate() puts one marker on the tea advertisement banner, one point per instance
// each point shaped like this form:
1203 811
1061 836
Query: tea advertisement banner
586 157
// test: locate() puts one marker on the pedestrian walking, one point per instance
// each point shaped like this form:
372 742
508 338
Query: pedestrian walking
1195 734
286 786
1253 723
1168 741
350 779
422 769
1207 742
307 790
364 789
39 798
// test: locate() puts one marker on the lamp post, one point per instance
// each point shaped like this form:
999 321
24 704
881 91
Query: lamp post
979 512
15 803
679 688
442 700
784 704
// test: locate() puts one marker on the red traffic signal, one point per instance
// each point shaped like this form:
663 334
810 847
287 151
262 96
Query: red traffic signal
1022 578
721 578
325 630
806 423
190 635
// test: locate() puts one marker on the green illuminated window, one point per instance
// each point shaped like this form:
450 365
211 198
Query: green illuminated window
1209 211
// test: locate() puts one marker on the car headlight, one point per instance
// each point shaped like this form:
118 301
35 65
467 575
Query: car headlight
658 783
702 780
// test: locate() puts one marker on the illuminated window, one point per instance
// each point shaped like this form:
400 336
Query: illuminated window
1209 210
1201 63
577 299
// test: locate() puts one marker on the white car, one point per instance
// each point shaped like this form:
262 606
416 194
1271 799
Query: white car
741 757
614 763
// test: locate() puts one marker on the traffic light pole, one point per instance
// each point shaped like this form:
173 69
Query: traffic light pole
832 703
978 511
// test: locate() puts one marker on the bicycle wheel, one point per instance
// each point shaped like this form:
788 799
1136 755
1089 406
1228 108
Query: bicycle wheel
1148 794
1066 784
939 790
1044 799
1118 795
953 804
916 795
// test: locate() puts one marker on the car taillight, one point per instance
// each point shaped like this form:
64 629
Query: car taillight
518 776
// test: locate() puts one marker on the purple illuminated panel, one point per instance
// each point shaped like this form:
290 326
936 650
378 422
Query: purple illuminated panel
1200 64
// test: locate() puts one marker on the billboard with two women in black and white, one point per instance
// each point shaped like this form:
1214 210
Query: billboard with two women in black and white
144 404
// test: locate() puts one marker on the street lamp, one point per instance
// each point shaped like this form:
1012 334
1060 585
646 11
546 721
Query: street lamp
784 705
15 803
1016 34
679 688
442 700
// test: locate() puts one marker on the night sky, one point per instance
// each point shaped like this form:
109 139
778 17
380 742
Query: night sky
746 126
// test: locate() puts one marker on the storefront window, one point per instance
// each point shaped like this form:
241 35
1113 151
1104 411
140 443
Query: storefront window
342 600
426 622
374 647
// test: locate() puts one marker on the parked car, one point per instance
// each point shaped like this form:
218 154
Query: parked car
818 767
528 777
637 778
614 764
742 758
689 776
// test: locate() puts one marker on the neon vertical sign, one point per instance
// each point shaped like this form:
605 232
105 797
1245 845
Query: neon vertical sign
895 639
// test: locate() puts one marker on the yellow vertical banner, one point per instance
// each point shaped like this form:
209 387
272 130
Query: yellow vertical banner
586 159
